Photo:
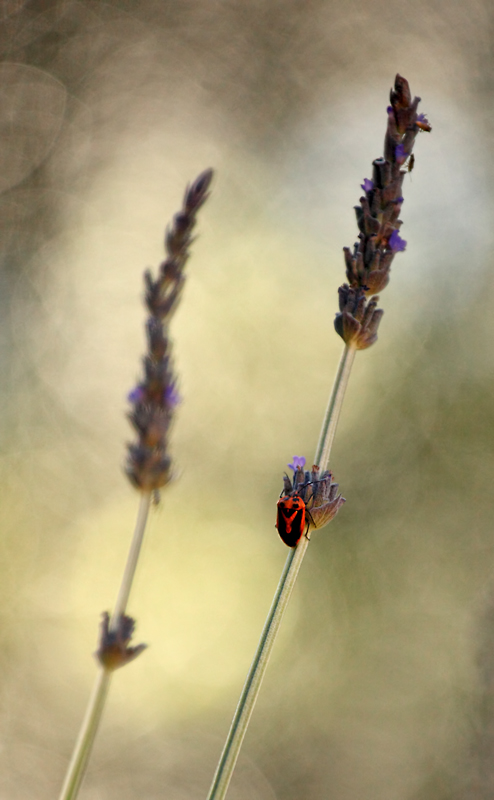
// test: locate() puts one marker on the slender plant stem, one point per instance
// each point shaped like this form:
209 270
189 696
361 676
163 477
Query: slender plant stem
296 555
85 740
94 711
132 559
332 415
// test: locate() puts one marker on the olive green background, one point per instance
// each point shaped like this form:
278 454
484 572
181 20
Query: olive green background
380 685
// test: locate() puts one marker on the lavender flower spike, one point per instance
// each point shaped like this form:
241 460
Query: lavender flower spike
310 498
369 263
153 400
156 396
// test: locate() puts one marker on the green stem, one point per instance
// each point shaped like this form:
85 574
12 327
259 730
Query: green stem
87 734
132 559
296 555
89 728
332 415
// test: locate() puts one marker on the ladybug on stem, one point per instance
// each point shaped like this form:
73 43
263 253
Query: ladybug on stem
290 519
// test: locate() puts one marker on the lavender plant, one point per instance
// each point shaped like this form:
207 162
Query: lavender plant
149 466
310 500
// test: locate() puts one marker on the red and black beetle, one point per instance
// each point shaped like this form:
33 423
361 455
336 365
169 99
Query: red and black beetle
290 519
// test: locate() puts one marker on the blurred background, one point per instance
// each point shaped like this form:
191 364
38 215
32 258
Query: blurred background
381 685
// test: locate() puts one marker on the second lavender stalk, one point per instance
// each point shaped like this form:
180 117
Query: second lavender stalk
148 465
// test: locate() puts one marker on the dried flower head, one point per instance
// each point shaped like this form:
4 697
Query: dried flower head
318 492
156 396
368 264
359 318
113 650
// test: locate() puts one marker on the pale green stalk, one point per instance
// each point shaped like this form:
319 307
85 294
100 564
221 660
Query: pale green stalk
87 734
252 685
94 711
332 415
132 559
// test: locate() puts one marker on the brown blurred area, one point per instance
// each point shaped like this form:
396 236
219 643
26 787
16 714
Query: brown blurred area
382 683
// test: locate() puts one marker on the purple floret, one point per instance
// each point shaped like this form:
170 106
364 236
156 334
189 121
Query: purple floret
367 185
298 461
400 153
396 243
137 395
171 396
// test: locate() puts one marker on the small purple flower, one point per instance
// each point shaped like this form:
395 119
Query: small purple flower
137 395
422 123
171 396
400 200
400 153
298 462
396 243
389 109
367 185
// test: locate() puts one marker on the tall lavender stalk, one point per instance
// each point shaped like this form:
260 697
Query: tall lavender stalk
149 465
367 269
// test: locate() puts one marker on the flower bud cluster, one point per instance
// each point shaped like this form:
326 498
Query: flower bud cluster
317 490
368 265
359 318
156 396
113 648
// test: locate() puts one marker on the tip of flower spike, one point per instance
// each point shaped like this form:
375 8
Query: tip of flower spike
298 463
197 193
400 96
396 243
203 181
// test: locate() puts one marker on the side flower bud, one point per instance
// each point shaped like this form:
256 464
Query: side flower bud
359 318
113 650
321 498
